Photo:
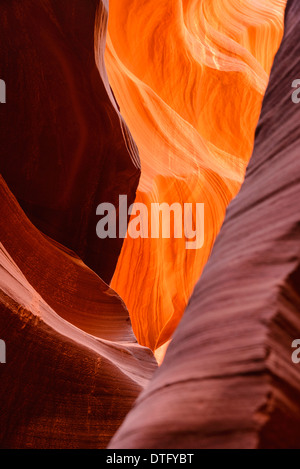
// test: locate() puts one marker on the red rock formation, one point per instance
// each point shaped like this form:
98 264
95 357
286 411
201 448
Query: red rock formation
62 387
228 380
73 367
64 146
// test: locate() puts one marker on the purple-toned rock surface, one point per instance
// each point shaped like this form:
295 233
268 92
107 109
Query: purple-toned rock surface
228 380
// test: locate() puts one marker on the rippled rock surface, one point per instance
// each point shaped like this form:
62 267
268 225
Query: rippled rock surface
73 367
228 380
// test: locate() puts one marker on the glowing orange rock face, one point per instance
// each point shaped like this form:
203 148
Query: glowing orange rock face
189 77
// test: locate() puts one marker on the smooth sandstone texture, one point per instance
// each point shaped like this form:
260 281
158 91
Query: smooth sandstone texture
228 380
190 89
64 145
73 367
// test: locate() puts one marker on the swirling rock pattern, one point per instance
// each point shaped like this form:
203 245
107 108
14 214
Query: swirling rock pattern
228 380
74 367
190 89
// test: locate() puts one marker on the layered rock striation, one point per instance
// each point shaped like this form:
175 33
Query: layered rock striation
228 379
